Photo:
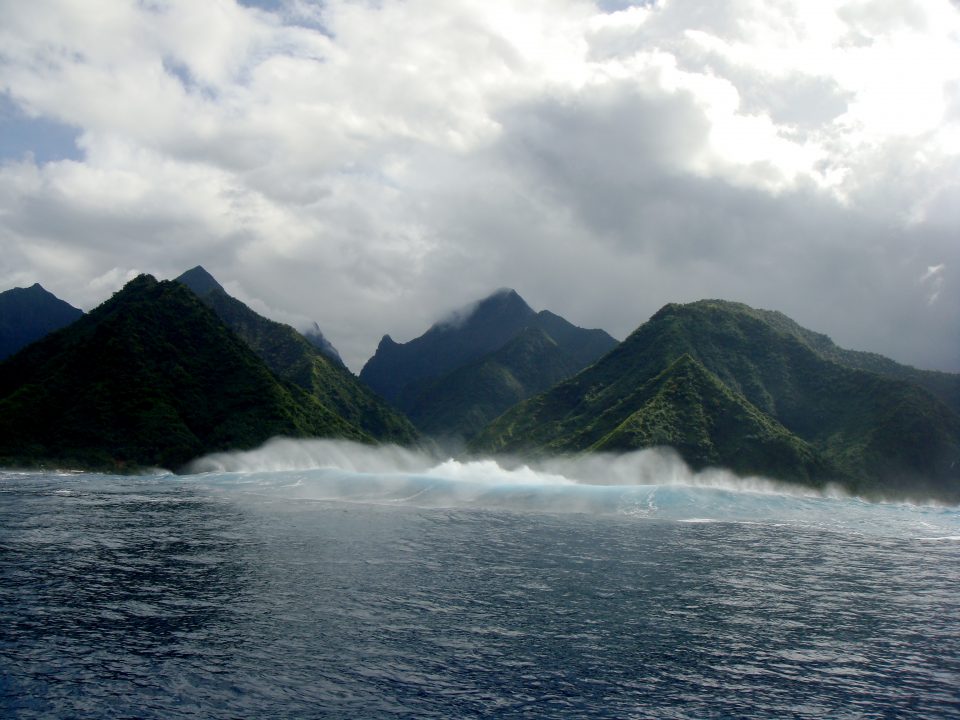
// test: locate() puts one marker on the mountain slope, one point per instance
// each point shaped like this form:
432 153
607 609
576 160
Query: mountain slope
462 402
447 345
462 373
28 314
689 409
875 432
150 378
293 357
316 338
945 386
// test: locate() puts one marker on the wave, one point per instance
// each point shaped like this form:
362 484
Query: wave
653 484
653 466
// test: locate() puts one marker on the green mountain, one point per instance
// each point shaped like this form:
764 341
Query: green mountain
28 314
688 408
466 370
296 359
945 386
748 382
316 338
150 378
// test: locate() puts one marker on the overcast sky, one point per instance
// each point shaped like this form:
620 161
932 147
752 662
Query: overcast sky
373 164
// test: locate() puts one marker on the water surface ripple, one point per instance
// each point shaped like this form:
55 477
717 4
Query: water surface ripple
164 598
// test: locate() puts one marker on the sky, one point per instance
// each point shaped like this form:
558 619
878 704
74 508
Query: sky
371 165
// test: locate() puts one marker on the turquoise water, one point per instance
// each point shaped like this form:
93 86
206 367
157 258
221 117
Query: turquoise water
393 586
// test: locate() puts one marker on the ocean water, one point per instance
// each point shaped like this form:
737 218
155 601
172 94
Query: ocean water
329 581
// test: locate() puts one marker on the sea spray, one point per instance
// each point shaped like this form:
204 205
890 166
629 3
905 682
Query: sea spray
652 466
280 454
651 484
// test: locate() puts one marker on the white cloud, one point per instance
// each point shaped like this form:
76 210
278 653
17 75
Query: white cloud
374 165
932 279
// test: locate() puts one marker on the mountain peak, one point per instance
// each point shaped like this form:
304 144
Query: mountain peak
422 375
35 291
221 396
503 305
28 314
200 281
505 298
315 337
461 337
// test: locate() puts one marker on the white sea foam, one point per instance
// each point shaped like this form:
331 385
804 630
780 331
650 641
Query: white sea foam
654 484
656 466
281 454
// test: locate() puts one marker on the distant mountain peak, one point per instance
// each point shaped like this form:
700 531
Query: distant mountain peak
505 297
200 281
35 290
452 375
505 293
28 314
203 284
315 337
306 359
501 305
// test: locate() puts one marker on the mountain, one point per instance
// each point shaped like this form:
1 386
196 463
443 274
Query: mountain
151 377
688 408
469 368
320 342
200 281
294 358
725 383
945 386
28 314
447 345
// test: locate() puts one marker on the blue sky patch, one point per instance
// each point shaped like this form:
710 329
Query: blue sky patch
48 140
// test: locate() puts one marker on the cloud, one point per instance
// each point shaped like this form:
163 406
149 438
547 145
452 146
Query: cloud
373 166
932 279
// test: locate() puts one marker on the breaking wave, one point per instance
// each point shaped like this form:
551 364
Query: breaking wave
653 483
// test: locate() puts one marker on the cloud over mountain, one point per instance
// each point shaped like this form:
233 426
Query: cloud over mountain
373 165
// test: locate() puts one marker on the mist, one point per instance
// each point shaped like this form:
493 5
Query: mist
652 466
653 484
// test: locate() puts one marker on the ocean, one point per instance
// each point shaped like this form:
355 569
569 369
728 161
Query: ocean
326 580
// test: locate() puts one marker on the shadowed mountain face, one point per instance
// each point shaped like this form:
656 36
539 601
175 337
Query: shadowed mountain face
200 281
28 314
751 390
447 345
467 369
150 378
296 358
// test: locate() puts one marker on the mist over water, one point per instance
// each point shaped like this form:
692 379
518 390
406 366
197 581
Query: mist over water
653 484
656 466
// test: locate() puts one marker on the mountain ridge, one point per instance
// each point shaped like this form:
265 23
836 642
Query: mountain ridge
471 366
865 426
293 357
150 378
460 338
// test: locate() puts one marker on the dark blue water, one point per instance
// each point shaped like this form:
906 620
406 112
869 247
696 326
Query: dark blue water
256 595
